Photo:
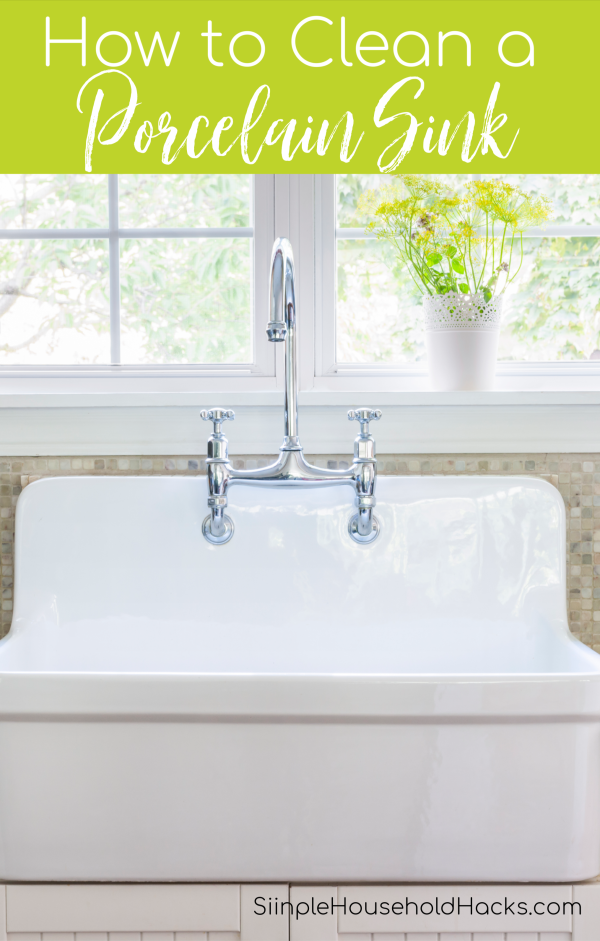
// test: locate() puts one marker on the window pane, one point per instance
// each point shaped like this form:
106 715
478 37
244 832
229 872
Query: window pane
378 309
187 201
54 302
59 201
186 301
551 311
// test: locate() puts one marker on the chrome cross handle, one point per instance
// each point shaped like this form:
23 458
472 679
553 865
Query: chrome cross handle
217 416
364 416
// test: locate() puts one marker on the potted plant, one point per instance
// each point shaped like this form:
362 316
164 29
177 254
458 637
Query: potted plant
462 253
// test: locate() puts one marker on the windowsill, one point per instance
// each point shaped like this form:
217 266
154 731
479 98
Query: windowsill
414 422
181 385
315 398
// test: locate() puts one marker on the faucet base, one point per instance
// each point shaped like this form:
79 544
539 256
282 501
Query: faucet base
221 539
354 533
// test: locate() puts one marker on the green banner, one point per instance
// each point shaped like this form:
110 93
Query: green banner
179 86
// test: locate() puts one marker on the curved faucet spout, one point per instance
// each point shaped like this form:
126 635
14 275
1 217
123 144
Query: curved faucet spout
281 328
291 469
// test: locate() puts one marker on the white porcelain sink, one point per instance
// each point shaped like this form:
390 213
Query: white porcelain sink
292 705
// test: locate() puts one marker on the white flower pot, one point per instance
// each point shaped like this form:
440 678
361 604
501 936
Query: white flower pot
461 337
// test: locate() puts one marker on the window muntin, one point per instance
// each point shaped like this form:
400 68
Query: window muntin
78 287
552 311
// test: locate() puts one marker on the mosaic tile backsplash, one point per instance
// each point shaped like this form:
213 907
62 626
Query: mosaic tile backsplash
577 477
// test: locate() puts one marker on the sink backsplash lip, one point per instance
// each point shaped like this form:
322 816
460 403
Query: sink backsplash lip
576 476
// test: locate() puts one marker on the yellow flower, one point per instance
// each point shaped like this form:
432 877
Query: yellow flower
420 187
385 202
534 212
399 207
464 231
447 203
422 236
422 216
507 204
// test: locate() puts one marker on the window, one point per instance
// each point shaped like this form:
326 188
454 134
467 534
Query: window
552 310
136 271
166 277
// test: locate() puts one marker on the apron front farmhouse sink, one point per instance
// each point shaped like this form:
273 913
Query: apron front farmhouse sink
292 705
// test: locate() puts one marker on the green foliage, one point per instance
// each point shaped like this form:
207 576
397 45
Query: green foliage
554 313
189 299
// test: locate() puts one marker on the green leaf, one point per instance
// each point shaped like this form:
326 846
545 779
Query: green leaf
463 288
457 266
451 251
487 295
433 258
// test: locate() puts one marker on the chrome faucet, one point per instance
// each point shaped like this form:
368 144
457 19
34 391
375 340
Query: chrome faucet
290 469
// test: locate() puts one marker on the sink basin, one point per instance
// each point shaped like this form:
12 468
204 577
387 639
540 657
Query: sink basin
292 706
